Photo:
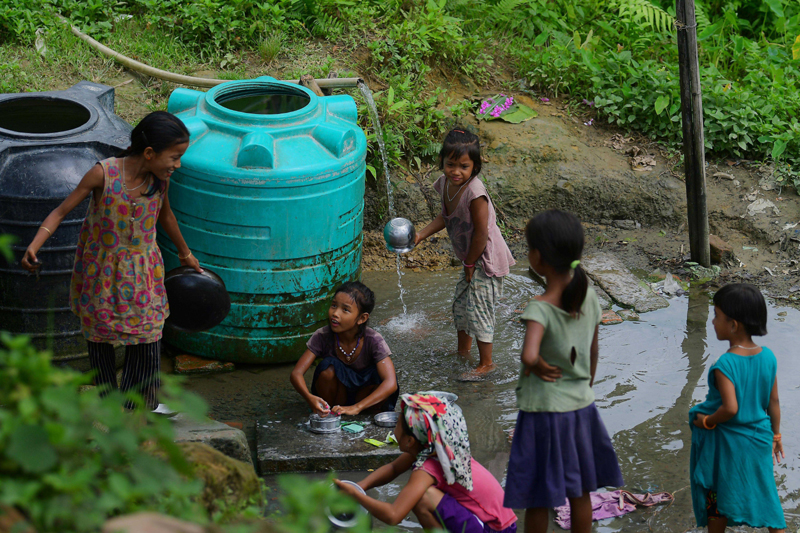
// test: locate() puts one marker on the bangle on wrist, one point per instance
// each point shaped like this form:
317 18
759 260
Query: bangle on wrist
187 256
705 423
776 437
468 266
47 230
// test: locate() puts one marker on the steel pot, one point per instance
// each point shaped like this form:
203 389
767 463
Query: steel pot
399 234
347 520
324 424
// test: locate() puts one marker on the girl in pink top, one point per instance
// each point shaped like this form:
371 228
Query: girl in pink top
447 487
471 222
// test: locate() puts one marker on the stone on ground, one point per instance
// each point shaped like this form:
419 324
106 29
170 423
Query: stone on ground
191 364
721 251
628 314
227 483
610 318
620 283
286 445
228 440
147 522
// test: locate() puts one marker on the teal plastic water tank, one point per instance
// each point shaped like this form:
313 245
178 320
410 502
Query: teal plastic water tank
270 195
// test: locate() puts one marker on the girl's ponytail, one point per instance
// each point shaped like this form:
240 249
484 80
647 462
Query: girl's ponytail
574 293
558 236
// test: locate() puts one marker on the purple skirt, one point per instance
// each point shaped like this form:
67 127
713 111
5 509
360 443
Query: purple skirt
559 455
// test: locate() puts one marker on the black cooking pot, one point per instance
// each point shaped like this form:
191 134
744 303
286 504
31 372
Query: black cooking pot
197 300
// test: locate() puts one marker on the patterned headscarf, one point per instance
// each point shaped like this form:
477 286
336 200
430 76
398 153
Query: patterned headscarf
438 424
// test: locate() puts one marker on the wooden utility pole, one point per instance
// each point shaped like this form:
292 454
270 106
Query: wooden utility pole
694 159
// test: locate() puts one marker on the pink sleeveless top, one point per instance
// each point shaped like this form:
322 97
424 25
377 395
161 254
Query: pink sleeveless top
117 287
485 500
496 258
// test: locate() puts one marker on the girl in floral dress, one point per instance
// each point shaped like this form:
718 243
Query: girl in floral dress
117 288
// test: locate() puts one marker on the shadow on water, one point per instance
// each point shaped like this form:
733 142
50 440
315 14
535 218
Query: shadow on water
649 375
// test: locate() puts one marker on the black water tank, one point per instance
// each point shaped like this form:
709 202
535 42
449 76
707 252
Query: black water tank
48 141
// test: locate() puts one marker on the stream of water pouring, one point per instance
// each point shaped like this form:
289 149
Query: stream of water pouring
376 123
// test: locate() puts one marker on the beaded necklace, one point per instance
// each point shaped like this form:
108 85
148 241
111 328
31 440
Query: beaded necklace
347 356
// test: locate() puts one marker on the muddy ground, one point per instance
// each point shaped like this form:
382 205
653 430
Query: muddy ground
558 160
628 190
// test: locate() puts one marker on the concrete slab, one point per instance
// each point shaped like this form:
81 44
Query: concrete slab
621 285
222 437
285 444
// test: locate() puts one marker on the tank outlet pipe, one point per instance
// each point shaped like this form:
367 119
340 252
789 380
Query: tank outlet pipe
193 81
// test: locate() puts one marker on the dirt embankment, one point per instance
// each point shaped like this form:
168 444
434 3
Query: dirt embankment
558 161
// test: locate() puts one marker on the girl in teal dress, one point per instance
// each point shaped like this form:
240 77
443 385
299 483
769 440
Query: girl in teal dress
736 436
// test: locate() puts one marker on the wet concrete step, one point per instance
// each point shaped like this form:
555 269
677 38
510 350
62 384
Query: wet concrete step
620 284
286 445
222 437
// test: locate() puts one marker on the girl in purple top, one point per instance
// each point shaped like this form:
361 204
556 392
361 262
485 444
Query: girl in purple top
356 371
471 222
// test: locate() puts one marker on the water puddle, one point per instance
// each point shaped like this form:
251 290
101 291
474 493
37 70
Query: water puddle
650 373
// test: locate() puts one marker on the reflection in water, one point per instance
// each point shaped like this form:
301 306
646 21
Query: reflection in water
650 373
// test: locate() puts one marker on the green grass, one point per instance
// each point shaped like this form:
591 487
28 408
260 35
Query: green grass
620 56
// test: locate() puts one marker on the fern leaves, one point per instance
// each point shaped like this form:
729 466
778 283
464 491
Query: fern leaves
644 13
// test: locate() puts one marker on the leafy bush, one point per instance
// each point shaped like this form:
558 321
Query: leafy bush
69 460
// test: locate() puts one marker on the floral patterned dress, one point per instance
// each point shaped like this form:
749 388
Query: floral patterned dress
117 287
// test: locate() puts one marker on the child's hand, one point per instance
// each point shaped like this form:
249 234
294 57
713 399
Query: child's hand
346 488
30 262
191 261
468 273
346 410
543 370
698 421
777 451
319 406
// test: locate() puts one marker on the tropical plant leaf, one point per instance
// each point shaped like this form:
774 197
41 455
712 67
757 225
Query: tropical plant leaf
644 13
661 103
519 113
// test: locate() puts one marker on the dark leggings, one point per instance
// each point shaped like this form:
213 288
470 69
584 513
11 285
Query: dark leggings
140 373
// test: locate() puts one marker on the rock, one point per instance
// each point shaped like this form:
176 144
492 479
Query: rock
610 318
721 251
191 364
228 440
626 224
147 522
627 314
625 288
12 521
228 484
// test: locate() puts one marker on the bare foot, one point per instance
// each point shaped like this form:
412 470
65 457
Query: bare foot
479 374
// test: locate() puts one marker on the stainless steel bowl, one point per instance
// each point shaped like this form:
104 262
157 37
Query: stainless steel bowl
346 520
326 424
449 396
399 234
387 419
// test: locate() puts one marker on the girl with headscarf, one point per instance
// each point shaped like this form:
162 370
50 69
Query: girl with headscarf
447 487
